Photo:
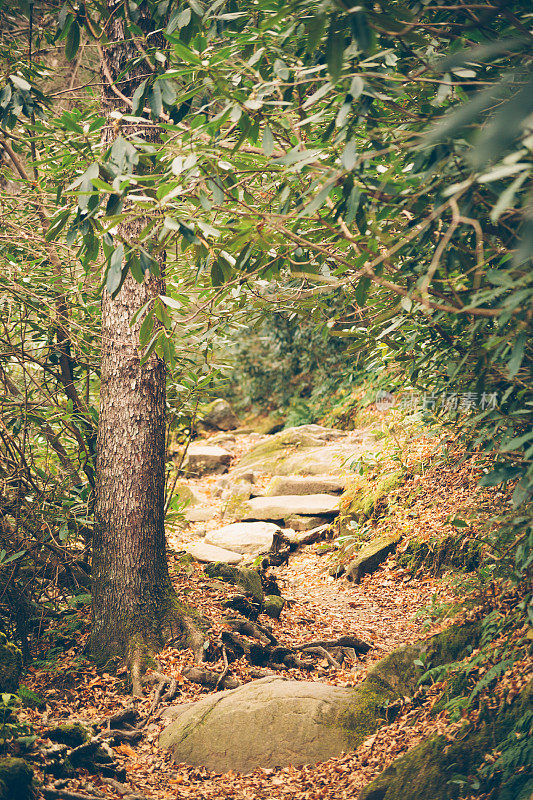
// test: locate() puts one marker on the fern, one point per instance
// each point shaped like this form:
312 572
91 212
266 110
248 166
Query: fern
489 676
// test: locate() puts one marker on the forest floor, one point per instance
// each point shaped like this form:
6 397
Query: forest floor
387 609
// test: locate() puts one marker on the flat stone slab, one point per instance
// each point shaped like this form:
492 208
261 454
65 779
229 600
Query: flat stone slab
300 522
208 553
270 722
296 485
284 506
244 537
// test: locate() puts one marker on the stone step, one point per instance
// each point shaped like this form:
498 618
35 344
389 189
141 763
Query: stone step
248 538
208 553
282 507
282 485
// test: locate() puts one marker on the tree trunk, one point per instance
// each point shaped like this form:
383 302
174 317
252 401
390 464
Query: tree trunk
134 606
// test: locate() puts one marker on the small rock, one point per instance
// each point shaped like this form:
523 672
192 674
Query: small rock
370 556
299 522
208 553
187 494
273 605
72 734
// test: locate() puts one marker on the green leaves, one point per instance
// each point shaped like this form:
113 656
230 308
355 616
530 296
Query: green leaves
517 355
268 141
114 277
335 48
73 41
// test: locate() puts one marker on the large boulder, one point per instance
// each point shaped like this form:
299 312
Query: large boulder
285 506
244 537
266 723
204 458
10 665
272 722
297 485
208 553
220 415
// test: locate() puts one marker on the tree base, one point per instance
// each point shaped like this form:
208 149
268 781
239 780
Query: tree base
136 641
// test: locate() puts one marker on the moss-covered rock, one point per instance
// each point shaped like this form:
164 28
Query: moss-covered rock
440 554
273 423
16 779
248 579
72 734
304 450
273 605
219 415
10 665
235 507
443 770
186 494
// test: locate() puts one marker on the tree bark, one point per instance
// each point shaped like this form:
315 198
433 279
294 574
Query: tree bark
134 605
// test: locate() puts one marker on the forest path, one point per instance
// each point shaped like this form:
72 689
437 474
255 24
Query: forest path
382 609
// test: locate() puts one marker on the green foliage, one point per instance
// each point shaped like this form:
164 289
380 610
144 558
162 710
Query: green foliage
366 172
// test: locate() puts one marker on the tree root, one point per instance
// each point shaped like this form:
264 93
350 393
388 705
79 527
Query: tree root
261 648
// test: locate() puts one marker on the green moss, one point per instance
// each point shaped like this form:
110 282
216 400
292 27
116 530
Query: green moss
30 698
16 779
185 494
273 605
438 555
235 507
453 644
10 665
248 579
431 769
367 713
72 734
359 503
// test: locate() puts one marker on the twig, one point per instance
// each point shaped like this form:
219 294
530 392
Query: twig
321 651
